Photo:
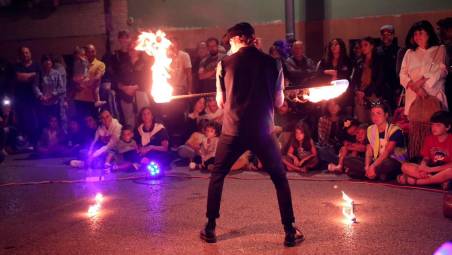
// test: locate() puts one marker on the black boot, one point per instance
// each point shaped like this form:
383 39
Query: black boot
293 237
208 233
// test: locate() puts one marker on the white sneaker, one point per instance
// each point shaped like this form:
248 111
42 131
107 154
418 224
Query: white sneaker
77 163
192 166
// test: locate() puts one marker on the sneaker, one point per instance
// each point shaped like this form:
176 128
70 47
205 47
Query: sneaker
77 163
192 166
293 236
136 166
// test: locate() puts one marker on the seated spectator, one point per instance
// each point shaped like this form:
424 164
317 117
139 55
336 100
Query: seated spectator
385 150
105 138
207 149
192 146
436 164
152 139
52 141
194 116
285 121
50 89
213 112
351 149
76 138
9 141
299 68
90 127
330 133
302 154
125 154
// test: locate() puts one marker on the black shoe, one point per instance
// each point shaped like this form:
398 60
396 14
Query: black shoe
208 235
293 237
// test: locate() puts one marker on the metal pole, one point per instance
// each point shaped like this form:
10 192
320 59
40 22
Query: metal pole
290 19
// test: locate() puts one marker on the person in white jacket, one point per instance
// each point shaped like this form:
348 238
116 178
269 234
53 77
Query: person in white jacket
106 136
423 70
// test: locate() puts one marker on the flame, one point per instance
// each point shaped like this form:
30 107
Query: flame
157 45
317 94
99 198
348 209
93 210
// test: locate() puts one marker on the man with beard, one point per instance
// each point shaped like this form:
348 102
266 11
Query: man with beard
208 66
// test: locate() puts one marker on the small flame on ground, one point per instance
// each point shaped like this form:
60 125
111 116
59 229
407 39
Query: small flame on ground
317 94
156 45
93 210
348 210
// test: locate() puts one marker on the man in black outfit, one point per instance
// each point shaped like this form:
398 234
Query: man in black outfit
249 86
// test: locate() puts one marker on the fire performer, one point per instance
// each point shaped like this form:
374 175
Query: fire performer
249 86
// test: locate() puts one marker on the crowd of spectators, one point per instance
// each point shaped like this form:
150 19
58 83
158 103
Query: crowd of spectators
392 123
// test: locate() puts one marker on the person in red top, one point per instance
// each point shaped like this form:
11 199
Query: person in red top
436 165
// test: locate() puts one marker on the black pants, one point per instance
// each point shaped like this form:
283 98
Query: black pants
229 150
387 170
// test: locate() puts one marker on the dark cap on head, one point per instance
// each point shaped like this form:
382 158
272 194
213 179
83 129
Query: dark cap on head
445 23
239 29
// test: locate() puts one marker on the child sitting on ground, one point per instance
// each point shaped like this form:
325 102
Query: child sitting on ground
52 140
351 149
207 149
125 154
302 154
436 165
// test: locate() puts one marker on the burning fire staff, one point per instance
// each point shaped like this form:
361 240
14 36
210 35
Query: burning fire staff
249 86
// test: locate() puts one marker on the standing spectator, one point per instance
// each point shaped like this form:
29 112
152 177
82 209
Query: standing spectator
366 80
200 54
355 52
299 68
180 73
445 33
60 66
388 52
87 87
50 89
26 71
385 149
423 74
8 124
129 68
208 65
152 139
335 65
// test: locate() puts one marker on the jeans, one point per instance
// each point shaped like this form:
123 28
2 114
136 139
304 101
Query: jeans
266 148
387 170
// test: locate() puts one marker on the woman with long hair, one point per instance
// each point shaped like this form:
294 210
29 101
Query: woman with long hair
422 74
